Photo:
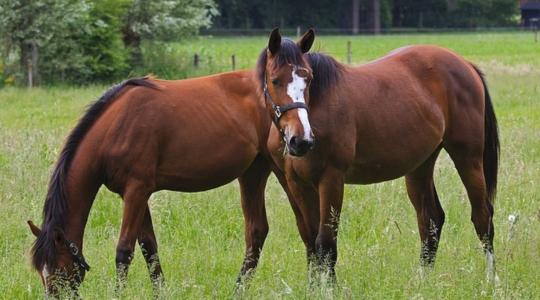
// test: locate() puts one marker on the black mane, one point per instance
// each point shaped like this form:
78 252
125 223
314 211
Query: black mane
326 70
326 74
55 208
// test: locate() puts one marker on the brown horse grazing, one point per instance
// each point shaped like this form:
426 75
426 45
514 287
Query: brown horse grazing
377 122
146 135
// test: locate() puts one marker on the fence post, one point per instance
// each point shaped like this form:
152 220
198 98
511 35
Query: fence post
349 53
534 27
196 60
233 61
297 31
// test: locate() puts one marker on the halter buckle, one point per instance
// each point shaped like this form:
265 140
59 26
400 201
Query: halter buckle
73 249
80 261
277 111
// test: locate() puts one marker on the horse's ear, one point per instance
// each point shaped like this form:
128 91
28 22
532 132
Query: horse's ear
274 43
59 238
306 41
35 230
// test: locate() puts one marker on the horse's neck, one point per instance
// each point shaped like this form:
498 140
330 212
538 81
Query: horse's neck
81 186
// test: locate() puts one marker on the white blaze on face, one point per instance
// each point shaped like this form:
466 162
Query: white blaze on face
295 90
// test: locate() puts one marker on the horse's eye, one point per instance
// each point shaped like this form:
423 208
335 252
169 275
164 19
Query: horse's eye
275 81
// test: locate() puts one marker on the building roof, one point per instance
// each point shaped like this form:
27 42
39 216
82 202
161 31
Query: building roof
530 6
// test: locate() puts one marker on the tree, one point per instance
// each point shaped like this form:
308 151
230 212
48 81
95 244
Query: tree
419 13
105 54
82 41
94 53
471 13
355 16
376 16
26 26
164 20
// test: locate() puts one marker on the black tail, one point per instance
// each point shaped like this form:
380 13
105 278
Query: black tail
491 143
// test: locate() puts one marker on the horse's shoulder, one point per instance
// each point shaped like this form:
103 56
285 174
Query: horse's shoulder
238 84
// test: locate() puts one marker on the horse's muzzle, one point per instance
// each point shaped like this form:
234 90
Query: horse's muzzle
298 146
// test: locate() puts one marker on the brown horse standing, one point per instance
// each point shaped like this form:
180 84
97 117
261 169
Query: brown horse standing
146 135
377 122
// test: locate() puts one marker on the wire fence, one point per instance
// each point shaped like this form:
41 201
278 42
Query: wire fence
364 31
209 59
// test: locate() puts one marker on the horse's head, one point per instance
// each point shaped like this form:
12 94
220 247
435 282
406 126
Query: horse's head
58 261
285 76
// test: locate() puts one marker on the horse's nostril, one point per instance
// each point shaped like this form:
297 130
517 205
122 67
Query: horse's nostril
299 145
292 141
296 142
303 144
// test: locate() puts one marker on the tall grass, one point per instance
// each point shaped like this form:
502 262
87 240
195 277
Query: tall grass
201 234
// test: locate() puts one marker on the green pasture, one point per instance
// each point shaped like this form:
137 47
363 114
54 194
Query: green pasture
500 50
201 234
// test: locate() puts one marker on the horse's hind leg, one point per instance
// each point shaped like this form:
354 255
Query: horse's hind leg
429 213
252 185
135 202
149 249
470 168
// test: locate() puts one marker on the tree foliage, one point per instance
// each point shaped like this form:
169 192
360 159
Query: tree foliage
29 25
249 14
164 20
168 20
471 13
83 41
100 40
95 50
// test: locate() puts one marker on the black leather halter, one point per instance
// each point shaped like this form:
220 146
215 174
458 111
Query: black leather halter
280 110
77 256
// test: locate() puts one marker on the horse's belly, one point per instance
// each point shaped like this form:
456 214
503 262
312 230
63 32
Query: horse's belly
203 165
373 167
375 172
387 152
202 181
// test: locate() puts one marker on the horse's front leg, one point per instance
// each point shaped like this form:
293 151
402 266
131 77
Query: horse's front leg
252 185
135 203
148 243
331 199
304 201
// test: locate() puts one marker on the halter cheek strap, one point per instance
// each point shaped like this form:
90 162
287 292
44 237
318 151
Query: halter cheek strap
77 256
280 110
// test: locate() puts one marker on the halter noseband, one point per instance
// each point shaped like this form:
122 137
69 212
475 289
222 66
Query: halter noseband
280 110
77 256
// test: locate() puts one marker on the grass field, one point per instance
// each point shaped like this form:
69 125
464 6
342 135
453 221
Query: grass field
201 234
